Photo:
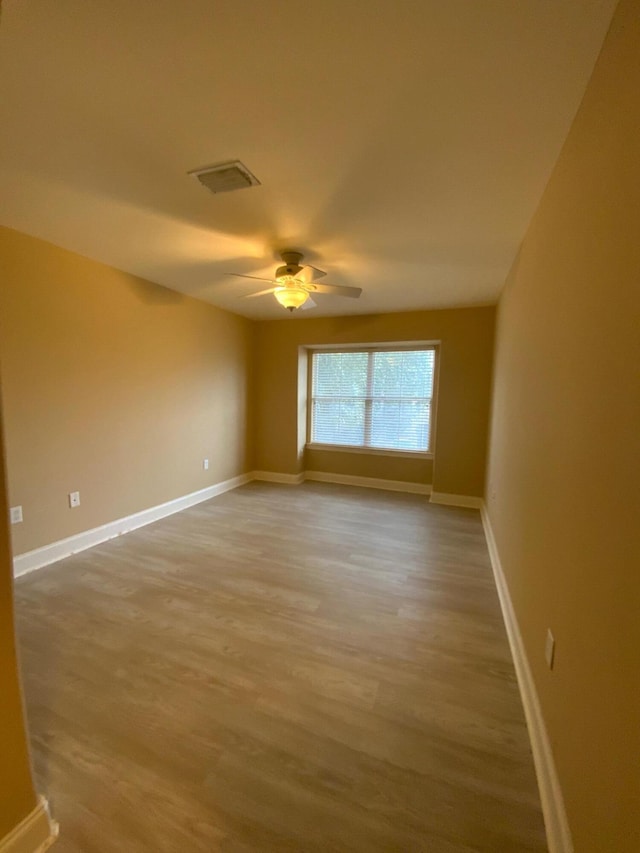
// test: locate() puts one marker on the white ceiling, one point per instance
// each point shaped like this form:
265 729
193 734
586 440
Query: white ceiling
401 144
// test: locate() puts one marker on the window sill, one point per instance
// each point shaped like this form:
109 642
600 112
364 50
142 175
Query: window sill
371 451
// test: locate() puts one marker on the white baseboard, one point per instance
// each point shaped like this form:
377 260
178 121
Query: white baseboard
467 501
275 477
35 834
36 559
555 816
37 831
47 554
369 482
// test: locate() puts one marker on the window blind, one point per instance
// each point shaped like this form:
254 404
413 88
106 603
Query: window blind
376 398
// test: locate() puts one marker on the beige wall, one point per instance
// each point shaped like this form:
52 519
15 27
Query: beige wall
564 472
466 344
114 387
17 798
363 465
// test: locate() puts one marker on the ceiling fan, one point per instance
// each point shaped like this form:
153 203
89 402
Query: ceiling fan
293 284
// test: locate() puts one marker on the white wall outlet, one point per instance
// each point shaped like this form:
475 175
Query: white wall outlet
15 514
205 464
74 499
550 648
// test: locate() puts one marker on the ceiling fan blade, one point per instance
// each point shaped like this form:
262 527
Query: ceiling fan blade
308 304
254 277
336 290
308 274
259 293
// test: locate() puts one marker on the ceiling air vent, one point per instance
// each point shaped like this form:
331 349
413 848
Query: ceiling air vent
225 177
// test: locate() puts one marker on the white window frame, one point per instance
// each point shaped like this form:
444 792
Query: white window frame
369 399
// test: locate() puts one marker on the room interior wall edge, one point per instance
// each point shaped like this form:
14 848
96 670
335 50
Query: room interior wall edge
465 338
551 798
18 796
52 552
566 393
55 551
114 387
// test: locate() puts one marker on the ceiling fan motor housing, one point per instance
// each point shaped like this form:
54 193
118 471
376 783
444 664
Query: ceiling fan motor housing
291 264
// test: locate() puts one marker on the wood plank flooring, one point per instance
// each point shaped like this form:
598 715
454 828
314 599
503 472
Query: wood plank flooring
311 668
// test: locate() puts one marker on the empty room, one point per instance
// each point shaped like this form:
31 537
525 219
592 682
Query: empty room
320 426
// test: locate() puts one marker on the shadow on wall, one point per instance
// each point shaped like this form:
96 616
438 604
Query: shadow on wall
154 294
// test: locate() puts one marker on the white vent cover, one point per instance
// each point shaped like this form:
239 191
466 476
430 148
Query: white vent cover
225 177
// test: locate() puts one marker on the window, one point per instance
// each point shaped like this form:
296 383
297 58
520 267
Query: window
379 399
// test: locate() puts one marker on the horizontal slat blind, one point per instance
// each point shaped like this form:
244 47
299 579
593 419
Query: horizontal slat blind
378 398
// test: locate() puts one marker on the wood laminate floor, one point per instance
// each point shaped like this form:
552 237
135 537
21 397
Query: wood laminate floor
311 668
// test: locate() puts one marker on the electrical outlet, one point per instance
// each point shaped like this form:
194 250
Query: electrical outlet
74 499
15 514
550 648
205 464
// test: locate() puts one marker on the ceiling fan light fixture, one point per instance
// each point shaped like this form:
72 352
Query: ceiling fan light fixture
291 297
294 286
